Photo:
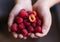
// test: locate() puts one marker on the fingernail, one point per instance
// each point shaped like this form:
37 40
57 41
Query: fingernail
43 30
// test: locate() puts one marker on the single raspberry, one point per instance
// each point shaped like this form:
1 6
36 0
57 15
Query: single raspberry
29 12
34 12
22 13
19 19
38 21
38 29
14 27
24 32
18 31
32 18
21 26
26 17
26 22
30 29
34 24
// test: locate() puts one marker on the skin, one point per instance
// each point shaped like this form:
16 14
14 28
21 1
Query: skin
20 4
42 7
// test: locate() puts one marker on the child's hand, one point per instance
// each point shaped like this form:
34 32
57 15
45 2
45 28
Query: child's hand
20 4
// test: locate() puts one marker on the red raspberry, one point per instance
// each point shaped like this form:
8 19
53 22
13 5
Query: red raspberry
24 32
21 26
18 31
32 18
38 21
26 22
29 12
14 27
38 29
34 12
34 24
19 19
22 13
26 17
31 29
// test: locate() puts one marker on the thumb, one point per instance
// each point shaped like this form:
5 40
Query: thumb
46 15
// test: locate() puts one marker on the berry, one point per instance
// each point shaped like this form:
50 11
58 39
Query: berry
22 13
24 32
21 26
18 31
34 12
29 12
31 29
38 29
32 18
38 21
26 22
34 24
19 19
14 27
26 17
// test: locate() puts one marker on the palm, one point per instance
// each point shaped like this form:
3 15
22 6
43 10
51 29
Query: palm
44 12
22 5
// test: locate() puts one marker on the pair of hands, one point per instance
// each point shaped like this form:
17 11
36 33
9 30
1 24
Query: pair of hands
42 7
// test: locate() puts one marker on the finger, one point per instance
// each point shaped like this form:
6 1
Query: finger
13 13
20 36
33 35
45 13
10 21
29 34
15 35
24 37
38 34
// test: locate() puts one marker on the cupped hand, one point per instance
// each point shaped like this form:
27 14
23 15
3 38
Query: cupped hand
43 9
20 4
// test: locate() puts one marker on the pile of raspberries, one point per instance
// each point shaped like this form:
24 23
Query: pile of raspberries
27 22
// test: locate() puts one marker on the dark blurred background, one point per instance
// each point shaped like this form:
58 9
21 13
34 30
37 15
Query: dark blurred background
5 36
